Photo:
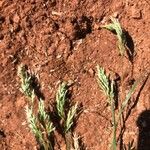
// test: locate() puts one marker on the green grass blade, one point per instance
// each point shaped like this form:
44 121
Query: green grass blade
127 98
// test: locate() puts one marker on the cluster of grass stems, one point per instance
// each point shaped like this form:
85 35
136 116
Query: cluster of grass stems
108 88
40 122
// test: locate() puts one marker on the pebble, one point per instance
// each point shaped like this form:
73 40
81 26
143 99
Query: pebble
91 72
20 102
16 18
136 13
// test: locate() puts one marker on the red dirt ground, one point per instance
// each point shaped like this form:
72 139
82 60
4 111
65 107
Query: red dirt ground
62 40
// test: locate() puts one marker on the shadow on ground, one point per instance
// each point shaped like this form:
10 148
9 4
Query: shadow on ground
143 123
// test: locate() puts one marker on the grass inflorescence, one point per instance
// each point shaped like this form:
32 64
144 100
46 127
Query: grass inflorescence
116 27
66 115
26 82
41 126
39 120
107 86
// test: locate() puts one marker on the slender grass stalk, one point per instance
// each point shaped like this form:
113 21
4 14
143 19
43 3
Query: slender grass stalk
32 120
46 125
125 102
107 87
40 124
112 105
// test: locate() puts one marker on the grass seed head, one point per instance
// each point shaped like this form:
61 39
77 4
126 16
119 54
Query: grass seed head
32 121
45 118
70 117
106 85
26 82
61 100
115 26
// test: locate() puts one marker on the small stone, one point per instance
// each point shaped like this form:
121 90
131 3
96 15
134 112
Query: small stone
70 82
32 1
58 56
115 14
20 102
16 18
91 72
136 13
24 123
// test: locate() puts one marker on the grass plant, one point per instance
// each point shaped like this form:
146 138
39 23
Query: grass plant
107 86
66 115
116 27
41 126
39 121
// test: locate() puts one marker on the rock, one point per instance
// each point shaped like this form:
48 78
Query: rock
115 14
16 18
91 72
20 102
136 13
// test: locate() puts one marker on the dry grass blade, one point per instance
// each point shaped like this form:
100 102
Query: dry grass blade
129 146
115 26
76 142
